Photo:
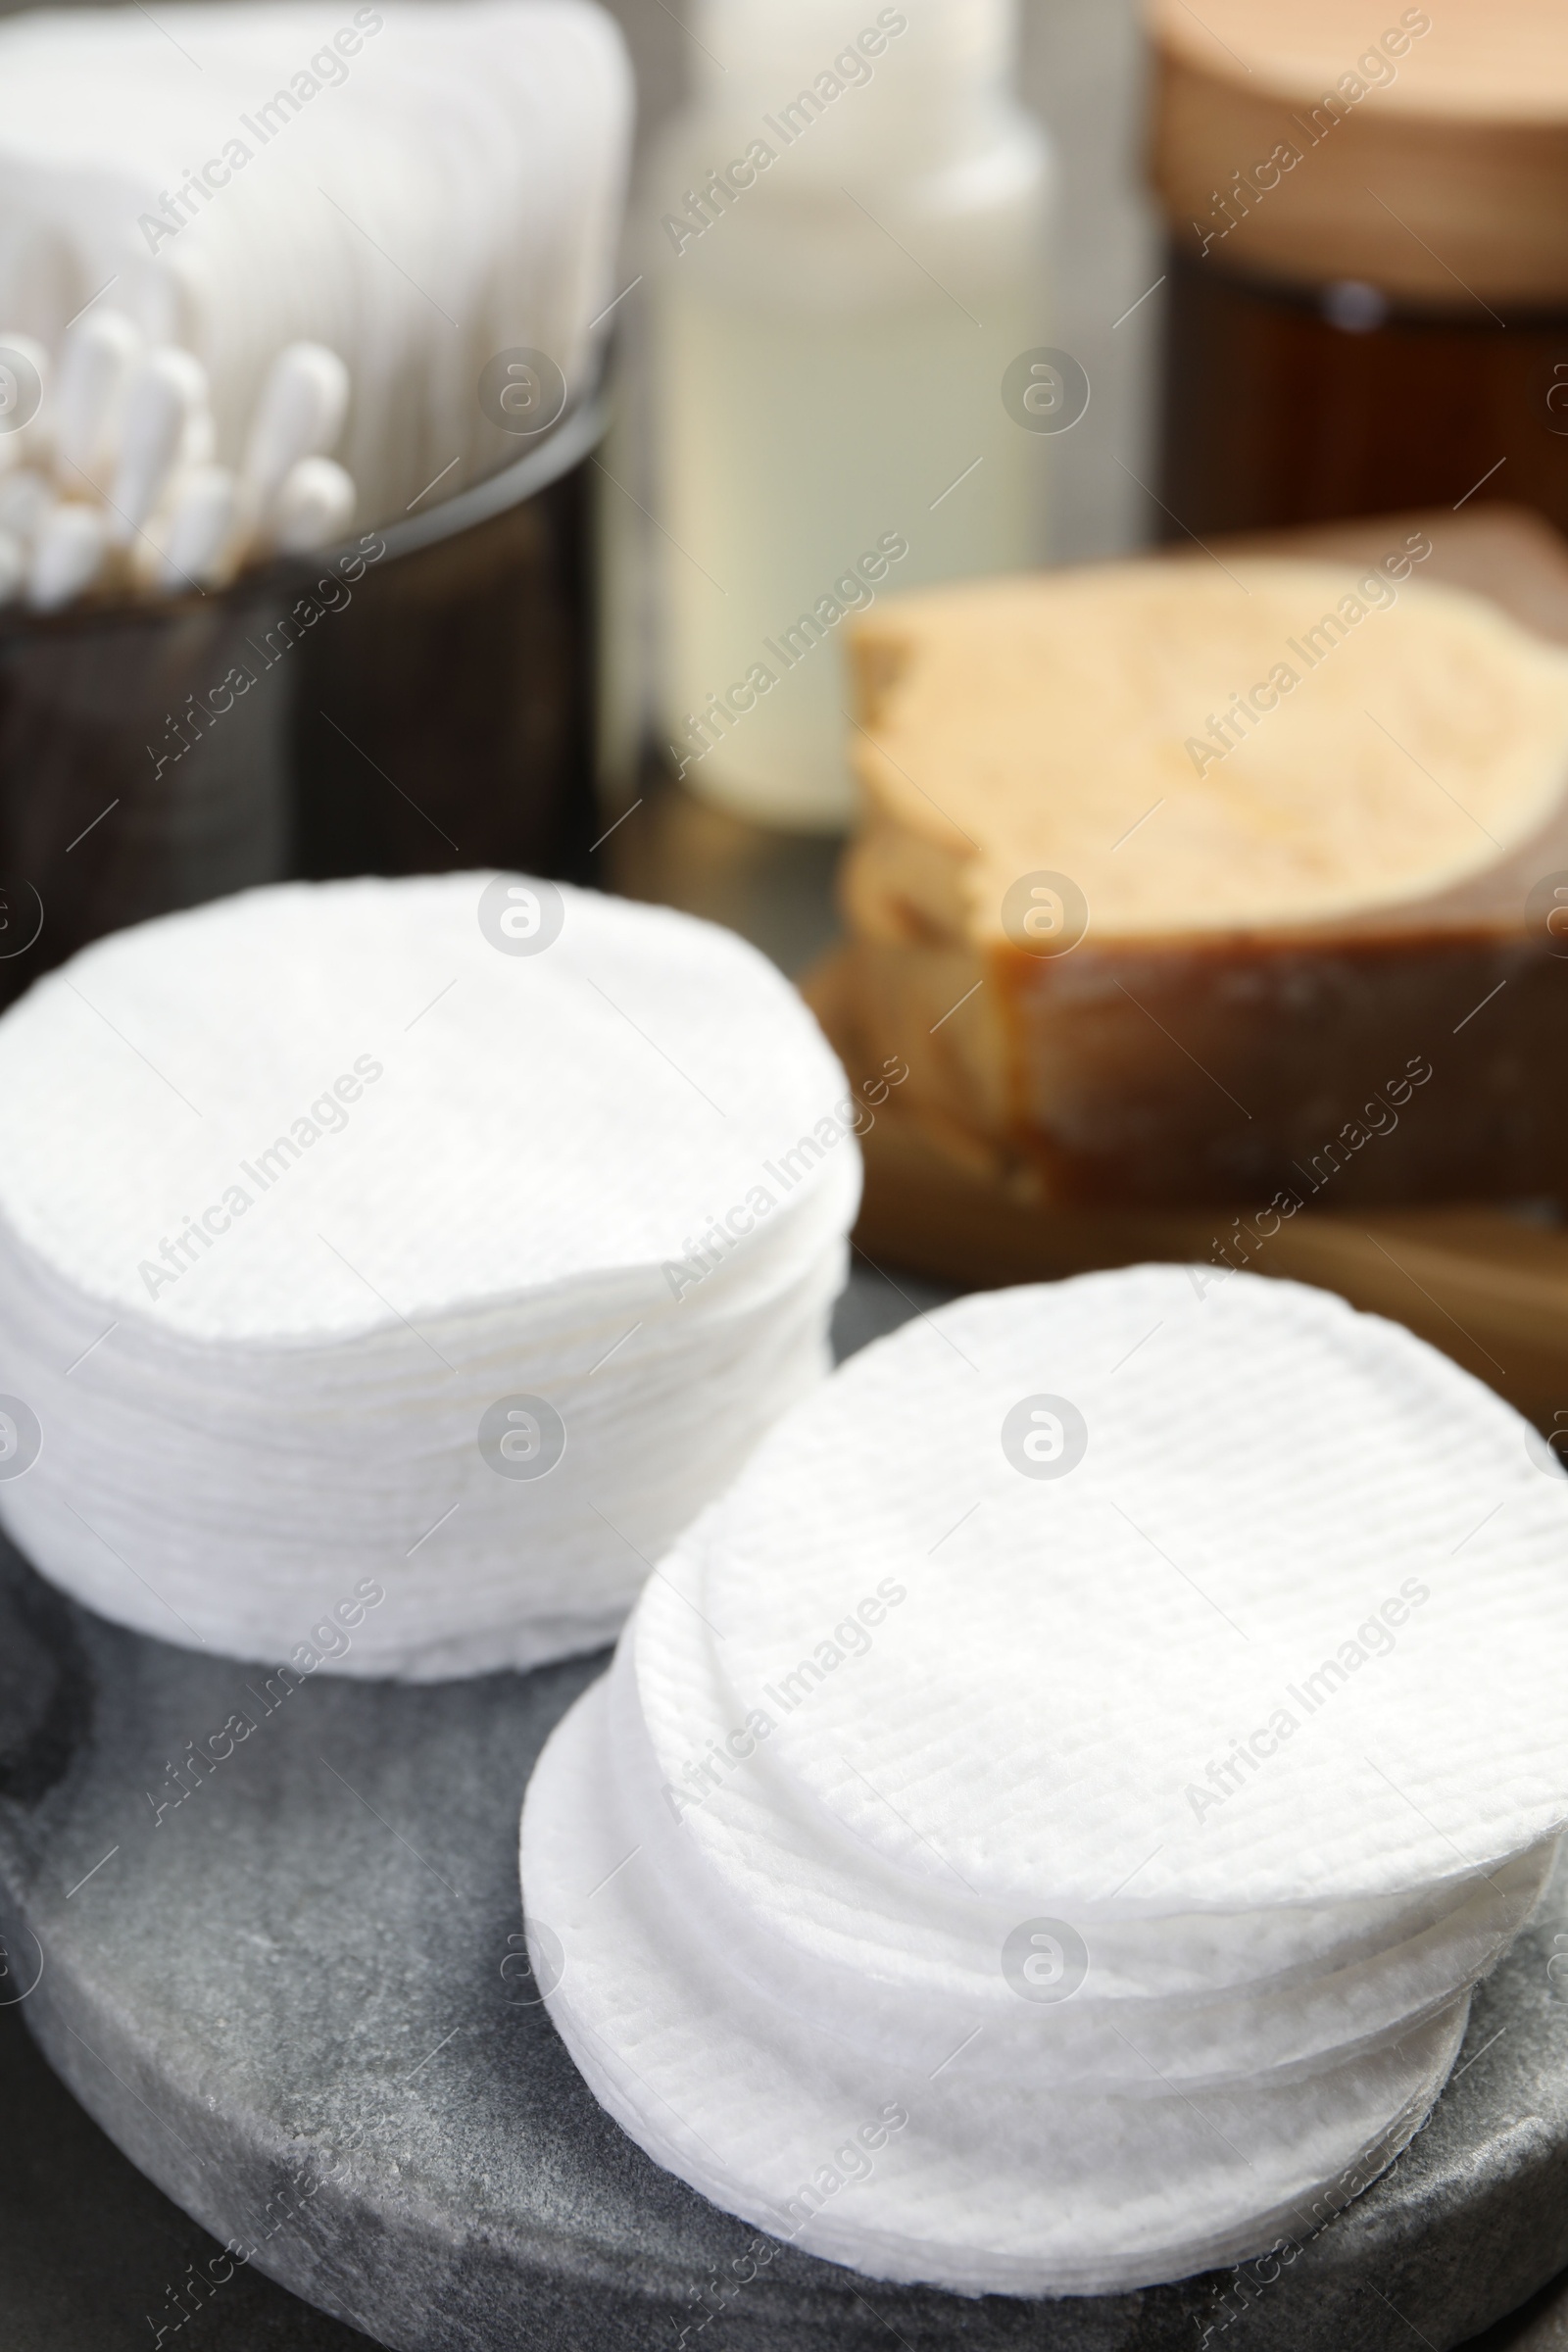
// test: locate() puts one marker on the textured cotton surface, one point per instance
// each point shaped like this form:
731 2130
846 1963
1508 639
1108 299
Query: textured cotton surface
584 1111
298 1188
1251 1709
1001 2192
1264 1469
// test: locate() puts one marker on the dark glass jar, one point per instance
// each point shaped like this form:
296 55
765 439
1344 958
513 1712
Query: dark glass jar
416 699
1284 404
1367 283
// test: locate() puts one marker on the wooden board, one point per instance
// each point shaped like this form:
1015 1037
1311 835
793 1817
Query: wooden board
1487 1290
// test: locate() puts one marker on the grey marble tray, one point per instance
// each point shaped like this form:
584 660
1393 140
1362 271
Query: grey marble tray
296 1998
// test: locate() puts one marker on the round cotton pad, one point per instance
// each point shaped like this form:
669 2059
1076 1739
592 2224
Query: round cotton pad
1112 1695
1301 1548
916 2175
454 1236
892 1973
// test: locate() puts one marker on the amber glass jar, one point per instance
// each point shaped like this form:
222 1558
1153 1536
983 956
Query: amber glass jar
434 709
1367 282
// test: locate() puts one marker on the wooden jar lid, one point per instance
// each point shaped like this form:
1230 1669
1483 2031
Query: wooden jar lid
1429 159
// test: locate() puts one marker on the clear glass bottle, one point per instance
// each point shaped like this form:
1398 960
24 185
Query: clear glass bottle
845 249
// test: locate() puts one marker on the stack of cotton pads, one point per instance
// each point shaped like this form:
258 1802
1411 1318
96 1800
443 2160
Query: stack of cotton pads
1043 1825
455 1238
422 189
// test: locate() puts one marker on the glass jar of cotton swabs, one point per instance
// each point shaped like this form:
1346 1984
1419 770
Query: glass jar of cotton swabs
212 676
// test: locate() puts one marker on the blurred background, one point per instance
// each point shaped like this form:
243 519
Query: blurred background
1177 335
1083 70
499 686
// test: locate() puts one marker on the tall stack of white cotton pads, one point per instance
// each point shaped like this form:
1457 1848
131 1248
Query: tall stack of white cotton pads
443 1245
1043 1825
420 188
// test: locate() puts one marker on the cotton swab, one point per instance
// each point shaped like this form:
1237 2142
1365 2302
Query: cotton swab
25 500
313 507
300 414
68 556
198 442
22 397
98 355
166 392
198 547
172 519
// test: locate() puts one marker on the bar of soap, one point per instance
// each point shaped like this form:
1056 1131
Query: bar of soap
1173 872
1095 1745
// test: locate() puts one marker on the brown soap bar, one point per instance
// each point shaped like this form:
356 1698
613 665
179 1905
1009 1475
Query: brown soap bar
1192 882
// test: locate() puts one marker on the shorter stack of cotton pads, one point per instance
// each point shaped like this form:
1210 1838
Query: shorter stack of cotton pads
1043 1825
389 1270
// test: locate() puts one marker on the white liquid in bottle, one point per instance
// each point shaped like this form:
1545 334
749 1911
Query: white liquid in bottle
836 295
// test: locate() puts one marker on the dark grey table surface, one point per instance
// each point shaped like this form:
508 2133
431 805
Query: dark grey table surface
88 2247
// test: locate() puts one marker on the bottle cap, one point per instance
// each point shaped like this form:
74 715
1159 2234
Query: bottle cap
813 53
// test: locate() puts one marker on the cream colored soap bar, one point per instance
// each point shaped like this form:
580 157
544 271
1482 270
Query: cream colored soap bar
1172 874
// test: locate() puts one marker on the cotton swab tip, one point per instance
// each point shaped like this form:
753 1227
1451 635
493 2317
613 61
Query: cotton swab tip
68 556
299 414
314 505
99 353
25 500
24 375
198 544
166 394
